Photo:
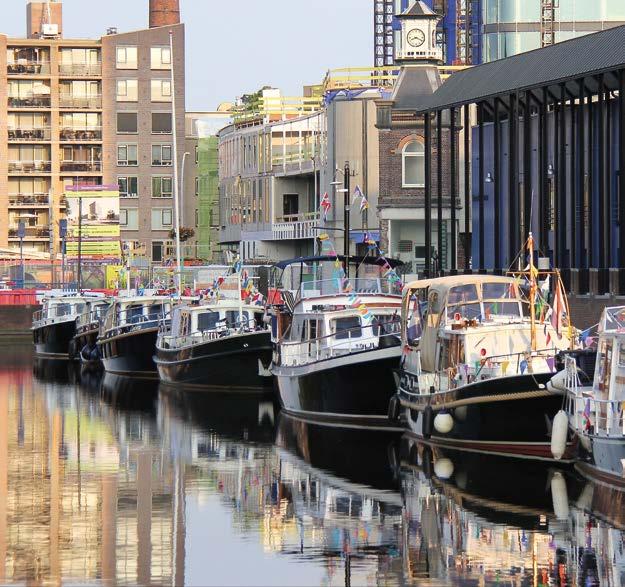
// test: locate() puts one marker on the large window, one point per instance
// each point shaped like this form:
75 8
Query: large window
162 187
161 155
127 155
127 123
126 58
128 186
129 218
413 165
127 90
161 218
160 58
161 122
161 90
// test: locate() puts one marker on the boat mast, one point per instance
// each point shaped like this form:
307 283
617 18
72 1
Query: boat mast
533 286
240 297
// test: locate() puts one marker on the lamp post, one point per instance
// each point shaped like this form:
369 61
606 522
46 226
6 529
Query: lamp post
63 235
346 215
21 233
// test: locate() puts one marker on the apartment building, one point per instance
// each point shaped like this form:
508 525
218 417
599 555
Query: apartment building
90 112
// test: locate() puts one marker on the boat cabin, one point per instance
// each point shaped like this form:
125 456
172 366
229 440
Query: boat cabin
63 308
465 328
142 312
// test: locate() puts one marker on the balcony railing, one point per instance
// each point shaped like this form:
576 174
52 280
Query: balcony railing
80 69
28 200
29 134
28 68
81 102
31 232
30 166
31 102
81 166
296 226
81 134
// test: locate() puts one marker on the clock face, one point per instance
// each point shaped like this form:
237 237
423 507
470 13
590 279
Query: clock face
416 37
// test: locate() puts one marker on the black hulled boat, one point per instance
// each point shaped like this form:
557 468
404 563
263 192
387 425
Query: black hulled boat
336 340
127 340
223 345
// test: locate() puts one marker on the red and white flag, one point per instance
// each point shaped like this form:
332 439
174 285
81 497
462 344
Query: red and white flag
326 205
558 310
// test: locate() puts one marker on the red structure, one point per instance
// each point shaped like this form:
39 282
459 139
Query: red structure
164 13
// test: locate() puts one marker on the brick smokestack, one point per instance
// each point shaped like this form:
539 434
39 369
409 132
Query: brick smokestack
164 13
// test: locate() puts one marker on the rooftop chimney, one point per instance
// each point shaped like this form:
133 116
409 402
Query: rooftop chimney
44 19
164 13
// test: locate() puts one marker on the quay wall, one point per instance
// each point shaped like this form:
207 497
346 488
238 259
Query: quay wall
15 321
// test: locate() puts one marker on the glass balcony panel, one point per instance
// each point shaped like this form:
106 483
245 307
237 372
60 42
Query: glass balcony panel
24 67
81 166
86 102
30 166
29 102
81 134
80 69
29 200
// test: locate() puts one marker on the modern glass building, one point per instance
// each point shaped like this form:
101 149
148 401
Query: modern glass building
515 26
475 31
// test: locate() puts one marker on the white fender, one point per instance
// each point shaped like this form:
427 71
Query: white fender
584 502
443 469
559 433
557 384
443 423
560 496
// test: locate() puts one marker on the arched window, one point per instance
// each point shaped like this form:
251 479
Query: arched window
413 165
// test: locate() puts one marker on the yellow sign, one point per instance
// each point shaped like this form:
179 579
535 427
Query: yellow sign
100 230
115 276
92 194
94 249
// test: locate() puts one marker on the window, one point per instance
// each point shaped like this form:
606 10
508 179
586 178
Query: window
413 165
127 123
162 187
127 155
161 218
127 90
161 90
126 58
161 155
347 327
161 123
128 187
129 218
207 321
160 250
160 58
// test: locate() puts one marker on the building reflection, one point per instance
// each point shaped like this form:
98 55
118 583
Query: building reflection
85 492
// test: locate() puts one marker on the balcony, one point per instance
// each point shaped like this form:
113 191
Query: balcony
31 102
81 166
23 67
30 167
80 69
29 134
29 200
296 226
31 233
80 102
81 134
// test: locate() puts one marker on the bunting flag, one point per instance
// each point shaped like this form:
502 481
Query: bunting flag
326 205
504 367
558 309
551 363
364 203
523 366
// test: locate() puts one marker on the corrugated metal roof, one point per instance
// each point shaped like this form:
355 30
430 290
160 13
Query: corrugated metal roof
583 56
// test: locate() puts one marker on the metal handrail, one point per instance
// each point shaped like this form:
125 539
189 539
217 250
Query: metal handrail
47 315
175 342
336 286
315 351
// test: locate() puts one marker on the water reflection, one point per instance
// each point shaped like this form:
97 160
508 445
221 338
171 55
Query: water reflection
111 481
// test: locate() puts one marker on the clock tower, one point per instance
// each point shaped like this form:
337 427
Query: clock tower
418 36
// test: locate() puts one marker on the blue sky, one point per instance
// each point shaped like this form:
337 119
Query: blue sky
237 47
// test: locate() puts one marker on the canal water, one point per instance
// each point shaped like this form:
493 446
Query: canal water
109 481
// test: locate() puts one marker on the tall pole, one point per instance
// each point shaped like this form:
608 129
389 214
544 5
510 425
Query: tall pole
346 196
79 244
176 186
315 196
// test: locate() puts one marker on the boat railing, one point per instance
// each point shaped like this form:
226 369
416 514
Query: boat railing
488 367
594 416
339 344
54 314
91 319
123 322
225 329
339 286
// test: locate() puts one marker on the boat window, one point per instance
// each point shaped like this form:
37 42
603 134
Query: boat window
79 308
134 314
155 311
510 309
232 317
386 324
348 327
207 321
62 310
499 291
469 311
462 294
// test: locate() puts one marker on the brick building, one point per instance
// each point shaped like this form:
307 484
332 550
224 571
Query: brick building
84 111
403 156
